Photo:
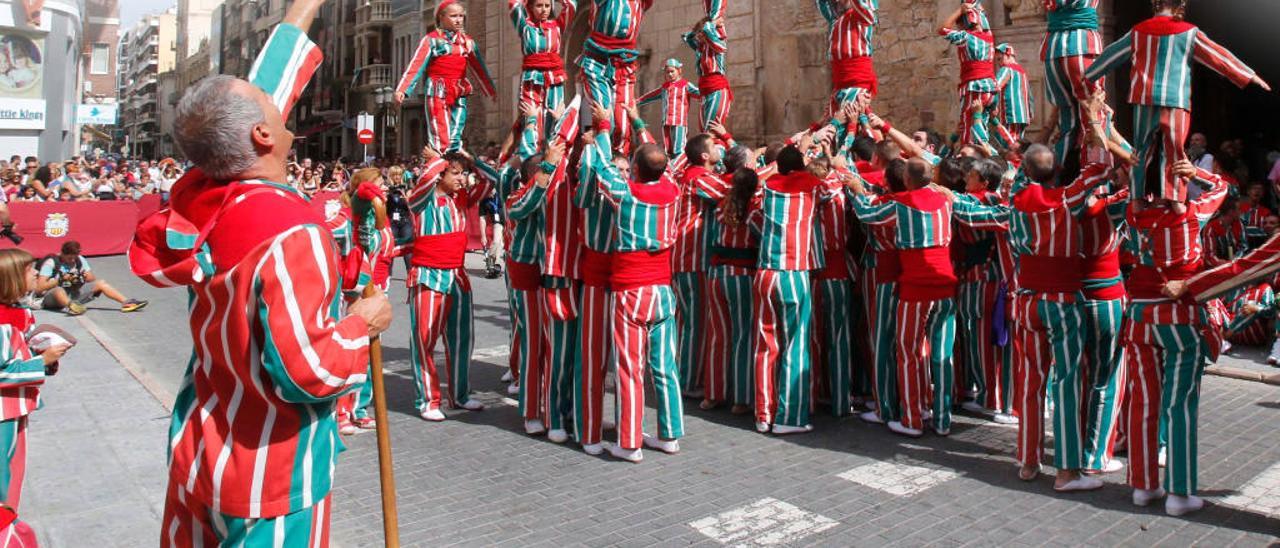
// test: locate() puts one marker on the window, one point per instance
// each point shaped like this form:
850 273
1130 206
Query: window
101 61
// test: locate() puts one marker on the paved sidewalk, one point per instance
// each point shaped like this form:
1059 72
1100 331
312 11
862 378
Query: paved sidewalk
477 479
96 452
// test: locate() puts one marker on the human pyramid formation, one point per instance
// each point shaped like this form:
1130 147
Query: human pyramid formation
732 274
1073 273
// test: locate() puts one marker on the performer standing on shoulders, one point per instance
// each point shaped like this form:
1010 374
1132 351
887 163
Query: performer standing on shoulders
271 353
608 61
710 43
541 41
1014 108
967 28
444 54
675 93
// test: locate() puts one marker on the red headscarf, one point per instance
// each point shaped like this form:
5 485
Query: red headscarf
443 4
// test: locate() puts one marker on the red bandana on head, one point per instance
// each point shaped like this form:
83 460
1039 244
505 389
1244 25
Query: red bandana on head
443 4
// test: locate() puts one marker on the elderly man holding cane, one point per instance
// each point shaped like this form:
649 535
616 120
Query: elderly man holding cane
253 443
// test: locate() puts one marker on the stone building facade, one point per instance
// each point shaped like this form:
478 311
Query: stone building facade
777 60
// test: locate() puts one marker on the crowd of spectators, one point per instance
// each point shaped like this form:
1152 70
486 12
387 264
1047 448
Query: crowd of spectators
79 179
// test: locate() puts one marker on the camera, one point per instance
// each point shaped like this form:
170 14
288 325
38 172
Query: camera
7 232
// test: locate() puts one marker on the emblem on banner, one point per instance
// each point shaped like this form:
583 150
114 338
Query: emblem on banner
56 225
332 208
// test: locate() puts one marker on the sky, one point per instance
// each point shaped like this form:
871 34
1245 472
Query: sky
133 10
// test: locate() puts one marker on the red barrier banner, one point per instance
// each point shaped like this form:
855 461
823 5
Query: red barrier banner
102 228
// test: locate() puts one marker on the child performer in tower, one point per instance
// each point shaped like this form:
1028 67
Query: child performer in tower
676 94
608 60
444 54
1070 46
852 24
1014 106
1161 50
967 28
542 73
710 43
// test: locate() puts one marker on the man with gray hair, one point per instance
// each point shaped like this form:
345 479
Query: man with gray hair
253 443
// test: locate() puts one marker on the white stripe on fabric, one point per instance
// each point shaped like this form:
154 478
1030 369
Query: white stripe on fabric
295 313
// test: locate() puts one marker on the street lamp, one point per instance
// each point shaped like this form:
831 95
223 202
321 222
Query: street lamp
383 96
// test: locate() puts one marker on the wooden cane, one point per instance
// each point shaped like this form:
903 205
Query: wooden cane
386 474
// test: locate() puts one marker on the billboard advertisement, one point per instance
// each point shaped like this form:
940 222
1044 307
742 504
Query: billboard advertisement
22 104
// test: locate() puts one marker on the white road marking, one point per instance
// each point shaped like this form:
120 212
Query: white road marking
766 522
898 479
1261 495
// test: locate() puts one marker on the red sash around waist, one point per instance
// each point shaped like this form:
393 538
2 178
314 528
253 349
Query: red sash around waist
596 267
546 61
976 70
1050 274
632 269
1104 267
712 83
856 72
888 266
927 274
447 67
610 42
524 276
1146 282
445 251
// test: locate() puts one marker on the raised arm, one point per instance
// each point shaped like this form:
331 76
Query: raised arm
1116 54
972 213
652 96
1222 61
309 356
413 70
568 8
287 61
519 15
426 185
1208 202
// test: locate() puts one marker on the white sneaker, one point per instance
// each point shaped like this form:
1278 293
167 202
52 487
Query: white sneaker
433 415
1082 483
1226 348
1144 497
471 405
926 415
508 377
1179 505
669 447
762 427
1112 466
1004 418
347 429
898 428
629 455
513 389
593 448
1160 458
871 417
782 429
557 436
534 427
974 407
1274 357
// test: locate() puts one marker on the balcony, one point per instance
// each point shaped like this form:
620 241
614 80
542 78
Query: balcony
374 76
373 14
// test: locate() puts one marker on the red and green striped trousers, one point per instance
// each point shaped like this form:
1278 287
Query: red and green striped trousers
434 314
833 341
983 359
644 338
727 364
597 345
925 341
1104 374
1048 338
782 311
690 309
189 523
560 339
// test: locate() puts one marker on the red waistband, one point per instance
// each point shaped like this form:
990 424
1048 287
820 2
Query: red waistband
596 267
837 266
855 72
1147 282
888 266
976 70
447 67
632 269
524 276
712 83
445 251
1050 274
927 266
548 61
1102 267
611 42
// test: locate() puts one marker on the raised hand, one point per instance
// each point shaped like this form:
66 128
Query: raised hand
598 113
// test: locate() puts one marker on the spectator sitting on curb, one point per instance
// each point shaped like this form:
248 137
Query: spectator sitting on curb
66 282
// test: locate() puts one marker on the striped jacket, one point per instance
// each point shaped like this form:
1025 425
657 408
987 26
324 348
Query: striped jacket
1161 50
438 214
541 38
974 47
675 98
851 27
617 21
21 371
711 50
253 432
433 48
732 238
834 230
975 251
597 224
1044 228
1016 102
700 191
1169 244
1073 29
922 219
642 223
787 221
